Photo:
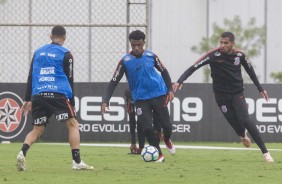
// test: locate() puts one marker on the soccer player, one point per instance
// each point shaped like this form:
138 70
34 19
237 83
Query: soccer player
150 90
132 125
225 63
50 91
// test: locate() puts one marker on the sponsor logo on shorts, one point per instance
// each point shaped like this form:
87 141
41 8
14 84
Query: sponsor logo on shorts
62 117
41 120
12 122
139 111
224 108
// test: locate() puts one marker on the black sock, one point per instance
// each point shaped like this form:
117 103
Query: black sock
76 155
24 149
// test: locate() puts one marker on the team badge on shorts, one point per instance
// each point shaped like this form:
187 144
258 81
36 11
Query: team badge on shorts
138 111
224 108
11 120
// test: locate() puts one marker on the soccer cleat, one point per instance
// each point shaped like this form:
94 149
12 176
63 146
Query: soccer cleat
267 157
161 158
81 166
246 141
170 147
21 162
138 150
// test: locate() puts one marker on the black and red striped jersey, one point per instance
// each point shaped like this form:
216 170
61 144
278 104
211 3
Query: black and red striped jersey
225 70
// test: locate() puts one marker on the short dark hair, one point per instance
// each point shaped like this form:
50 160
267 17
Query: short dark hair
137 35
58 31
228 35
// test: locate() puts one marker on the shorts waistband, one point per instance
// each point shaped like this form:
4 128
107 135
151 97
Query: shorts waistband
49 95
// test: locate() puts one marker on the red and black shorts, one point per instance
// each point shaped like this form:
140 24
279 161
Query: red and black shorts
44 105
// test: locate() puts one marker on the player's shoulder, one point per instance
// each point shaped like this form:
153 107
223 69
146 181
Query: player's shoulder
43 47
239 53
213 52
51 46
126 57
149 53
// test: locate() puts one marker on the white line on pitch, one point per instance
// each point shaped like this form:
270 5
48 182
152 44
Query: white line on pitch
163 146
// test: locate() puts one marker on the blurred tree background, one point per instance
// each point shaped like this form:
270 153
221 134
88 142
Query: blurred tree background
248 38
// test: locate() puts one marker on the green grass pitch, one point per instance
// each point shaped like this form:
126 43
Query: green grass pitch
51 164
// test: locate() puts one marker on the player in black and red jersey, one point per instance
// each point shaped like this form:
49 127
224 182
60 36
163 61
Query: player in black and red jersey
225 63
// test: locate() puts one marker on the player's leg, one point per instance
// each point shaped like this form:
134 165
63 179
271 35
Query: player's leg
40 119
161 110
74 140
224 103
141 137
132 125
29 140
32 136
240 106
64 112
157 125
144 113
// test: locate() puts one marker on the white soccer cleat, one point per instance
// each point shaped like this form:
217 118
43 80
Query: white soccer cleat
170 147
160 159
81 166
246 141
21 162
267 157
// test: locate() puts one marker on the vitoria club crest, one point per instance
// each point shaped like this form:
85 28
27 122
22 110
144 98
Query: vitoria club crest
11 121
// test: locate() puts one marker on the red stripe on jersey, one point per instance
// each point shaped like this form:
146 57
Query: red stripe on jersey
205 55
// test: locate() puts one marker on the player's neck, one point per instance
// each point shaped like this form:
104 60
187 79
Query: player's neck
58 41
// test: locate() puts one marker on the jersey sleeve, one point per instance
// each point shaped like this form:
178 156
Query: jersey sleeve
204 60
164 72
251 72
28 91
118 74
68 69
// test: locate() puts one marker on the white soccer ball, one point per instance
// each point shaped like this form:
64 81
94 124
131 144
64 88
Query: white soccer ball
150 153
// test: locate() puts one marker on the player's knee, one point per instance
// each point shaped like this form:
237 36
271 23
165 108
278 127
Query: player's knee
72 122
38 130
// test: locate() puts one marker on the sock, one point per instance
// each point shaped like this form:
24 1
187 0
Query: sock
24 149
160 150
76 155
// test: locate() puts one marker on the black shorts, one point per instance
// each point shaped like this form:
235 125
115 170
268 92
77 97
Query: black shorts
44 105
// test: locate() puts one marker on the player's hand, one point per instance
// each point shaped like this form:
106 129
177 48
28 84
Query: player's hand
104 108
26 107
171 96
264 95
133 148
74 109
176 86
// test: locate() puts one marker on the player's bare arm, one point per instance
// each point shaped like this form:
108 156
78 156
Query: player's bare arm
104 108
176 86
26 107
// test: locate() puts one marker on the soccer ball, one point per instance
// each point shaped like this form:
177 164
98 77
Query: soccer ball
150 153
